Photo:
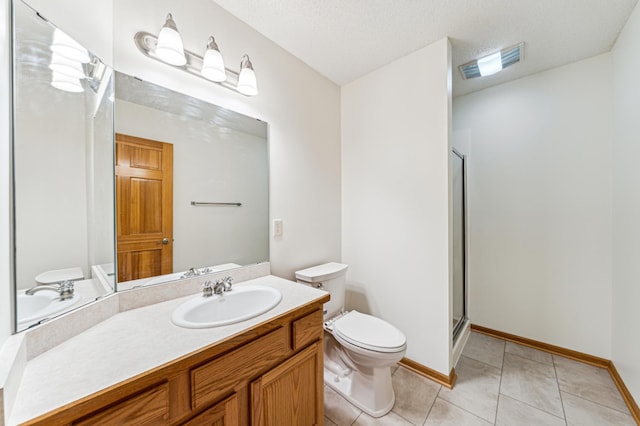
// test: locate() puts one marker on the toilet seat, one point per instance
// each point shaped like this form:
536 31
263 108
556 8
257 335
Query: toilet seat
369 332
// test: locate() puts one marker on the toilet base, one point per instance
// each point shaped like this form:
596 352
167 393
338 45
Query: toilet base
372 394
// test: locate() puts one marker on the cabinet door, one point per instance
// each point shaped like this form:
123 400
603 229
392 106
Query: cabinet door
224 413
291 393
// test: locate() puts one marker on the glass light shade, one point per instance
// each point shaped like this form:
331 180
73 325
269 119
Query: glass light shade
247 83
490 64
169 47
213 64
66 83
69 48
66 66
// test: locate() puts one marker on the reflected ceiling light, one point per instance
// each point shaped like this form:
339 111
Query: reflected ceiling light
169 47
66 66
247 84
213 64
69 48
210 67
493 63
66 83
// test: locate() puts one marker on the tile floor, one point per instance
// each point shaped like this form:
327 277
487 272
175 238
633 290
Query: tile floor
499 383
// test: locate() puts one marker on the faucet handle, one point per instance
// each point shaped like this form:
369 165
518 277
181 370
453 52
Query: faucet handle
207 288
66 288
227 283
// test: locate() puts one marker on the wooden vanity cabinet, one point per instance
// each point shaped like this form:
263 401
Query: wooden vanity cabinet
271 374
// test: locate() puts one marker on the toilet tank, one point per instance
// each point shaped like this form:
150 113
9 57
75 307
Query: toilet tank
330 277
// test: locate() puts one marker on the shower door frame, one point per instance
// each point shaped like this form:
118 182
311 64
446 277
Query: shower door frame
464 319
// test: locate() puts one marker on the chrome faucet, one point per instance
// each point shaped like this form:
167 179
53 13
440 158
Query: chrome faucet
192 272
63 288
223 285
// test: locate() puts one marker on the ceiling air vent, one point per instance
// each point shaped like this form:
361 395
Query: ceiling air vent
493 63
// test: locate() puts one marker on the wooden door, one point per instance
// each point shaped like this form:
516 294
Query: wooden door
291 394
144 204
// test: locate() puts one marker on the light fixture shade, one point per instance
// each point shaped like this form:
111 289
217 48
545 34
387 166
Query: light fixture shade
69 48
247 83
66 83
169 47
213 64
63 65
490 64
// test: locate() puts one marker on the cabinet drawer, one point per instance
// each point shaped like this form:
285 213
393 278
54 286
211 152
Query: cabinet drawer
217 377
306 329
149 407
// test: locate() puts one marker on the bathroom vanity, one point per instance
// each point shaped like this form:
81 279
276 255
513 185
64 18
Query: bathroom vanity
263 371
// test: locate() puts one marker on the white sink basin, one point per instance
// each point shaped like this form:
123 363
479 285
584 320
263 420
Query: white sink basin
239 304
42 305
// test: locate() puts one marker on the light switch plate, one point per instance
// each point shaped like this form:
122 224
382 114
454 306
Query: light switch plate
277 227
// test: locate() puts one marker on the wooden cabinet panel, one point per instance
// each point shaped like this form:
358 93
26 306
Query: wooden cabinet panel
224 413
292 393
224 373
306 330
149 407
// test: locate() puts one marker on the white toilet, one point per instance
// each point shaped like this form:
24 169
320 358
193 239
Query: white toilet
359 349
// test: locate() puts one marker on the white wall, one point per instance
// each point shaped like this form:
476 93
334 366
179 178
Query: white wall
626 205
209 164
540 205
395 157
6 293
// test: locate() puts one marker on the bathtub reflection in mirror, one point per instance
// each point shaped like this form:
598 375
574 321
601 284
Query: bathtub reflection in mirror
192 186
63 171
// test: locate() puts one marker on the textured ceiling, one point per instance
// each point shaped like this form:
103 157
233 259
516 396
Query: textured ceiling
346 39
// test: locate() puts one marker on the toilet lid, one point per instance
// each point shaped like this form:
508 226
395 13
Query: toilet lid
369 332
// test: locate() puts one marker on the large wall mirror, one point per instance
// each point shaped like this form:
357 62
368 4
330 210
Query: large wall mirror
120 183
63 170
192 185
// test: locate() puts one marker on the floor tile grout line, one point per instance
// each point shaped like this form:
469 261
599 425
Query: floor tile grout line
482 362
555 372
432 404
504 352
467 411
597 403
530 359
532 406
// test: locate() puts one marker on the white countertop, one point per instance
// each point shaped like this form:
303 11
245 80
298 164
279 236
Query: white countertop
128 344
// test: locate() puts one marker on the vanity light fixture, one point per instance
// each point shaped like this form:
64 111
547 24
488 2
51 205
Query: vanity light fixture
67 59
210 67
493 63
66 83
169 47
213 64
69 48
247 84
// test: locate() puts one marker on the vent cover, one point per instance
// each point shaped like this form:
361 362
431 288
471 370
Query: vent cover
510 55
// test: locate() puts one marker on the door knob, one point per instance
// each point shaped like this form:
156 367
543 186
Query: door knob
165 241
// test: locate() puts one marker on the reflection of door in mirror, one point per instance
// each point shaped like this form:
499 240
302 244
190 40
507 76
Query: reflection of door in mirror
144 202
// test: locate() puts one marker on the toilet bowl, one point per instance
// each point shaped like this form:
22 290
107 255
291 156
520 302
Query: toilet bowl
359 349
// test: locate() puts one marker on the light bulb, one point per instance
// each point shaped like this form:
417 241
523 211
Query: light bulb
66 66
69 48
247 83
213 64
66 83
169 47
